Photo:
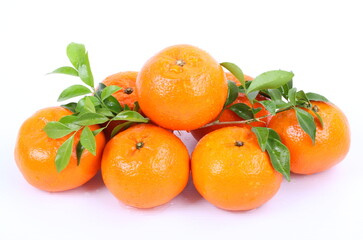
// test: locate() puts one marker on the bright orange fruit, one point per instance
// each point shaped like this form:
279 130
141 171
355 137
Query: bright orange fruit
231 171
331 143
35 154
145 166
181 88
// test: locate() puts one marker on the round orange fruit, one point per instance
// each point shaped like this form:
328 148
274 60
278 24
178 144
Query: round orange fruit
35 154
331 143
181 88
230 170
145 166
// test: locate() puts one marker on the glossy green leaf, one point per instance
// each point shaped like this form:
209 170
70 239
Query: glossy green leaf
64 154
87 104
130 116
270 80
275 94
306 122
279 156
57 130
109 90
99 89
236 71
104 112
112 104
119 128
73 91
66 70
76 54
318 117
96 132
232 93
269 105
292 96
85 73
79 151
242 110
69 122
70 106
262 136
91 119
88 140
284 89
316 97
301 96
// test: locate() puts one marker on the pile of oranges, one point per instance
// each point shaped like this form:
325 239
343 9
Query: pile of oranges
145 165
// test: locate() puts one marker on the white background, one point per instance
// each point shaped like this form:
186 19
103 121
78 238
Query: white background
320 41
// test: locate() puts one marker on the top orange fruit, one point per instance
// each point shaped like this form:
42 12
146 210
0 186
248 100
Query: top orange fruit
332 141
35 154
127 81
181 88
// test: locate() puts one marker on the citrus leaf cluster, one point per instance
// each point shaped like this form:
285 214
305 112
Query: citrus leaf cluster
96 106
277 87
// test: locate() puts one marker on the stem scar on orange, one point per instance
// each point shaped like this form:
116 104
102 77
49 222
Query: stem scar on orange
35 154
231 171
181 88
145 166
332 141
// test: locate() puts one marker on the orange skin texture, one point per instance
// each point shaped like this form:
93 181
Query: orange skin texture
232 177
35 154
332 142
229 115
124 80
181 97
146 177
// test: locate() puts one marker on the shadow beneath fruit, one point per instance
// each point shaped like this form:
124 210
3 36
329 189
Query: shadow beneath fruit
190 194
93 185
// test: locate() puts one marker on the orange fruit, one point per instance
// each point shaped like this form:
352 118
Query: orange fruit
231 171
35 154
127 81
145 166
331 143
181 88
229 115
126 96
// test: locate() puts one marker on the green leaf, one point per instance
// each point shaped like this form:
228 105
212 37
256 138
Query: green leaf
100 88
301 97
236 71
85 73
96 132
79 151
306 122
70 106
108 91
126 107
69 122
269 105
73 91
279 156
130 116
112 104
66 70
319 117
275 94
57 130
64 154
88 140
242 110
284 89
292 96
270 80
232 93
262 136
90 119
104 112
87 104
316 97
76 53
252 95
119 128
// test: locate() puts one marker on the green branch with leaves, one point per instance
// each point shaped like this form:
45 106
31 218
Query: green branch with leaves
97 106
